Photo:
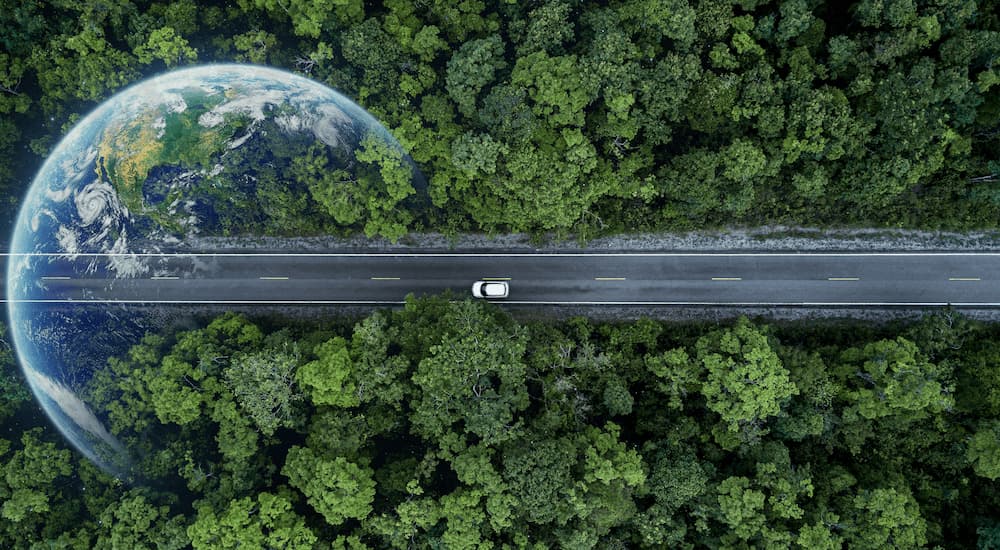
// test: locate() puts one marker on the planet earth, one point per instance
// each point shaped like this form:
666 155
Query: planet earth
202 151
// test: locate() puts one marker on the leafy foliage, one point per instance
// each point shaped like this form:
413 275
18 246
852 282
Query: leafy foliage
263 384
337 489
746 382
572 117
451 424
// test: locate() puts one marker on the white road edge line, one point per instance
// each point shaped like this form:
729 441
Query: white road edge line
492 255
609 278
385 278
964 279
843 278
273 278
727 278
163 278
55 278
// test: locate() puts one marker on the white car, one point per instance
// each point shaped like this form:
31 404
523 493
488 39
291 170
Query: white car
490 289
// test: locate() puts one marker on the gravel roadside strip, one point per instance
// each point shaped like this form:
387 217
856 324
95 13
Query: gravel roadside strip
776 238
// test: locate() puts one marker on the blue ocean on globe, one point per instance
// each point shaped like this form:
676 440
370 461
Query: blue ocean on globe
202 151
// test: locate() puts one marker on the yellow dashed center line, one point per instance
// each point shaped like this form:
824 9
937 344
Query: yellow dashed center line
964 278
385 278
727 278
609 278
843 278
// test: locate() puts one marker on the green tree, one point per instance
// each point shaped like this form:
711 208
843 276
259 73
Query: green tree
376 55
374 198
334 190
746 382
166 45
812 414
796 18
380 375
617 398
983 451
557 86
337 489
12 72
887 517
477 154
765 509
507 114
255 46
28 487
893 378
611 475
392 184
12 386
676 482
742 163
548 28
464 520
265 522
518 202
662 95
541 477
584 482
136 522
474 376
284 528
310 17
336 432
237 439
175 392
473 67
263 384
427 43
742 507
820 537
676 374
329 378
458 19
81 66
671 19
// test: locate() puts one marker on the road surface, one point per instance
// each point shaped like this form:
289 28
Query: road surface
749 279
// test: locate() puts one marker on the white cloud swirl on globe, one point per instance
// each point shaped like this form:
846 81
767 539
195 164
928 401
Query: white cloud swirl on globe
97 201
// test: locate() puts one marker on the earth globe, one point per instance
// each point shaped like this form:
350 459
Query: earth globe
206 151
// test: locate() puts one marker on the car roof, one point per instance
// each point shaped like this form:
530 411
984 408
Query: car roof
492 285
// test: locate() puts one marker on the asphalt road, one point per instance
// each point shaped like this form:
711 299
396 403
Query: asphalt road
787 279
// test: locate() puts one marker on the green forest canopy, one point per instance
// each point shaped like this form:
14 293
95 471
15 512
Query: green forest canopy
451 425
579 116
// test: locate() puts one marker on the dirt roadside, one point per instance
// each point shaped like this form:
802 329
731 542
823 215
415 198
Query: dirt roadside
776 238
